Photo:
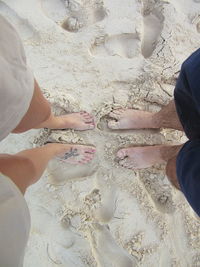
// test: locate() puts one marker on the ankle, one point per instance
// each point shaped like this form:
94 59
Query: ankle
168 152
171 173
57 148
156 120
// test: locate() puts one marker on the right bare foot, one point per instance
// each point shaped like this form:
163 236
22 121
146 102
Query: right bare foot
167 117
131 119
147 156
73 154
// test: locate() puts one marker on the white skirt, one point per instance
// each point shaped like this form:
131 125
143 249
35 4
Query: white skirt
16 79
14 224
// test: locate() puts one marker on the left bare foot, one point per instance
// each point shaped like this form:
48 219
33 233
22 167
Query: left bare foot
78 121
147 156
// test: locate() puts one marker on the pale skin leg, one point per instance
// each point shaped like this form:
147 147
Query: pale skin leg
39 115
144 157
26 168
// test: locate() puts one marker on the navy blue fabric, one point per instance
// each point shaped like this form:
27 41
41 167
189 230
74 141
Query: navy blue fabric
187 100
188 173
187 95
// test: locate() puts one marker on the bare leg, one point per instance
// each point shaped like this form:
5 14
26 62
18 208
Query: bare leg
167 117
39 115
26 167
171 172
147 156
134 119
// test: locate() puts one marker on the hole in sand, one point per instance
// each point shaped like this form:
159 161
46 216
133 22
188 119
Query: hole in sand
71 24
99 14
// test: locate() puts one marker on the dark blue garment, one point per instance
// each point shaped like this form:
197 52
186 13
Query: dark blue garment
187 100
187 95
188 172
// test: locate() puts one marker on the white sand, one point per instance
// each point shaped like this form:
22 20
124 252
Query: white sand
110 54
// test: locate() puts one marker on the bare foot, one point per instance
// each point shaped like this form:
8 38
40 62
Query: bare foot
78 121
78 154
131 119
72 153
147 156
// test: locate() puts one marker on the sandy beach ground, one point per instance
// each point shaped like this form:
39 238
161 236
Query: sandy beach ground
96 55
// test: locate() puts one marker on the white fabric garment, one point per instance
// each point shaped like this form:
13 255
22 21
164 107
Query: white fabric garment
14 224
16 91
16 79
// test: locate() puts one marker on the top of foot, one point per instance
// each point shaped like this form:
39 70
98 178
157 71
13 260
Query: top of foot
76 154
141 157
130 119
78 121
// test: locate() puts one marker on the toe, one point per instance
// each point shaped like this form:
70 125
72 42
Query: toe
114 115
88 158
88 119
113 124
90 126
122 153
89 155
87 115
118 112
123 162
126 163
91 150
85 161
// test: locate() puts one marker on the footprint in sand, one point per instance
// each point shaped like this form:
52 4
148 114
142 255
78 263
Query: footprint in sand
83 16
102 200
60 172
106 251
24 28
71 15
58 11
159 190
124 45
54 9
60 246
152 27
